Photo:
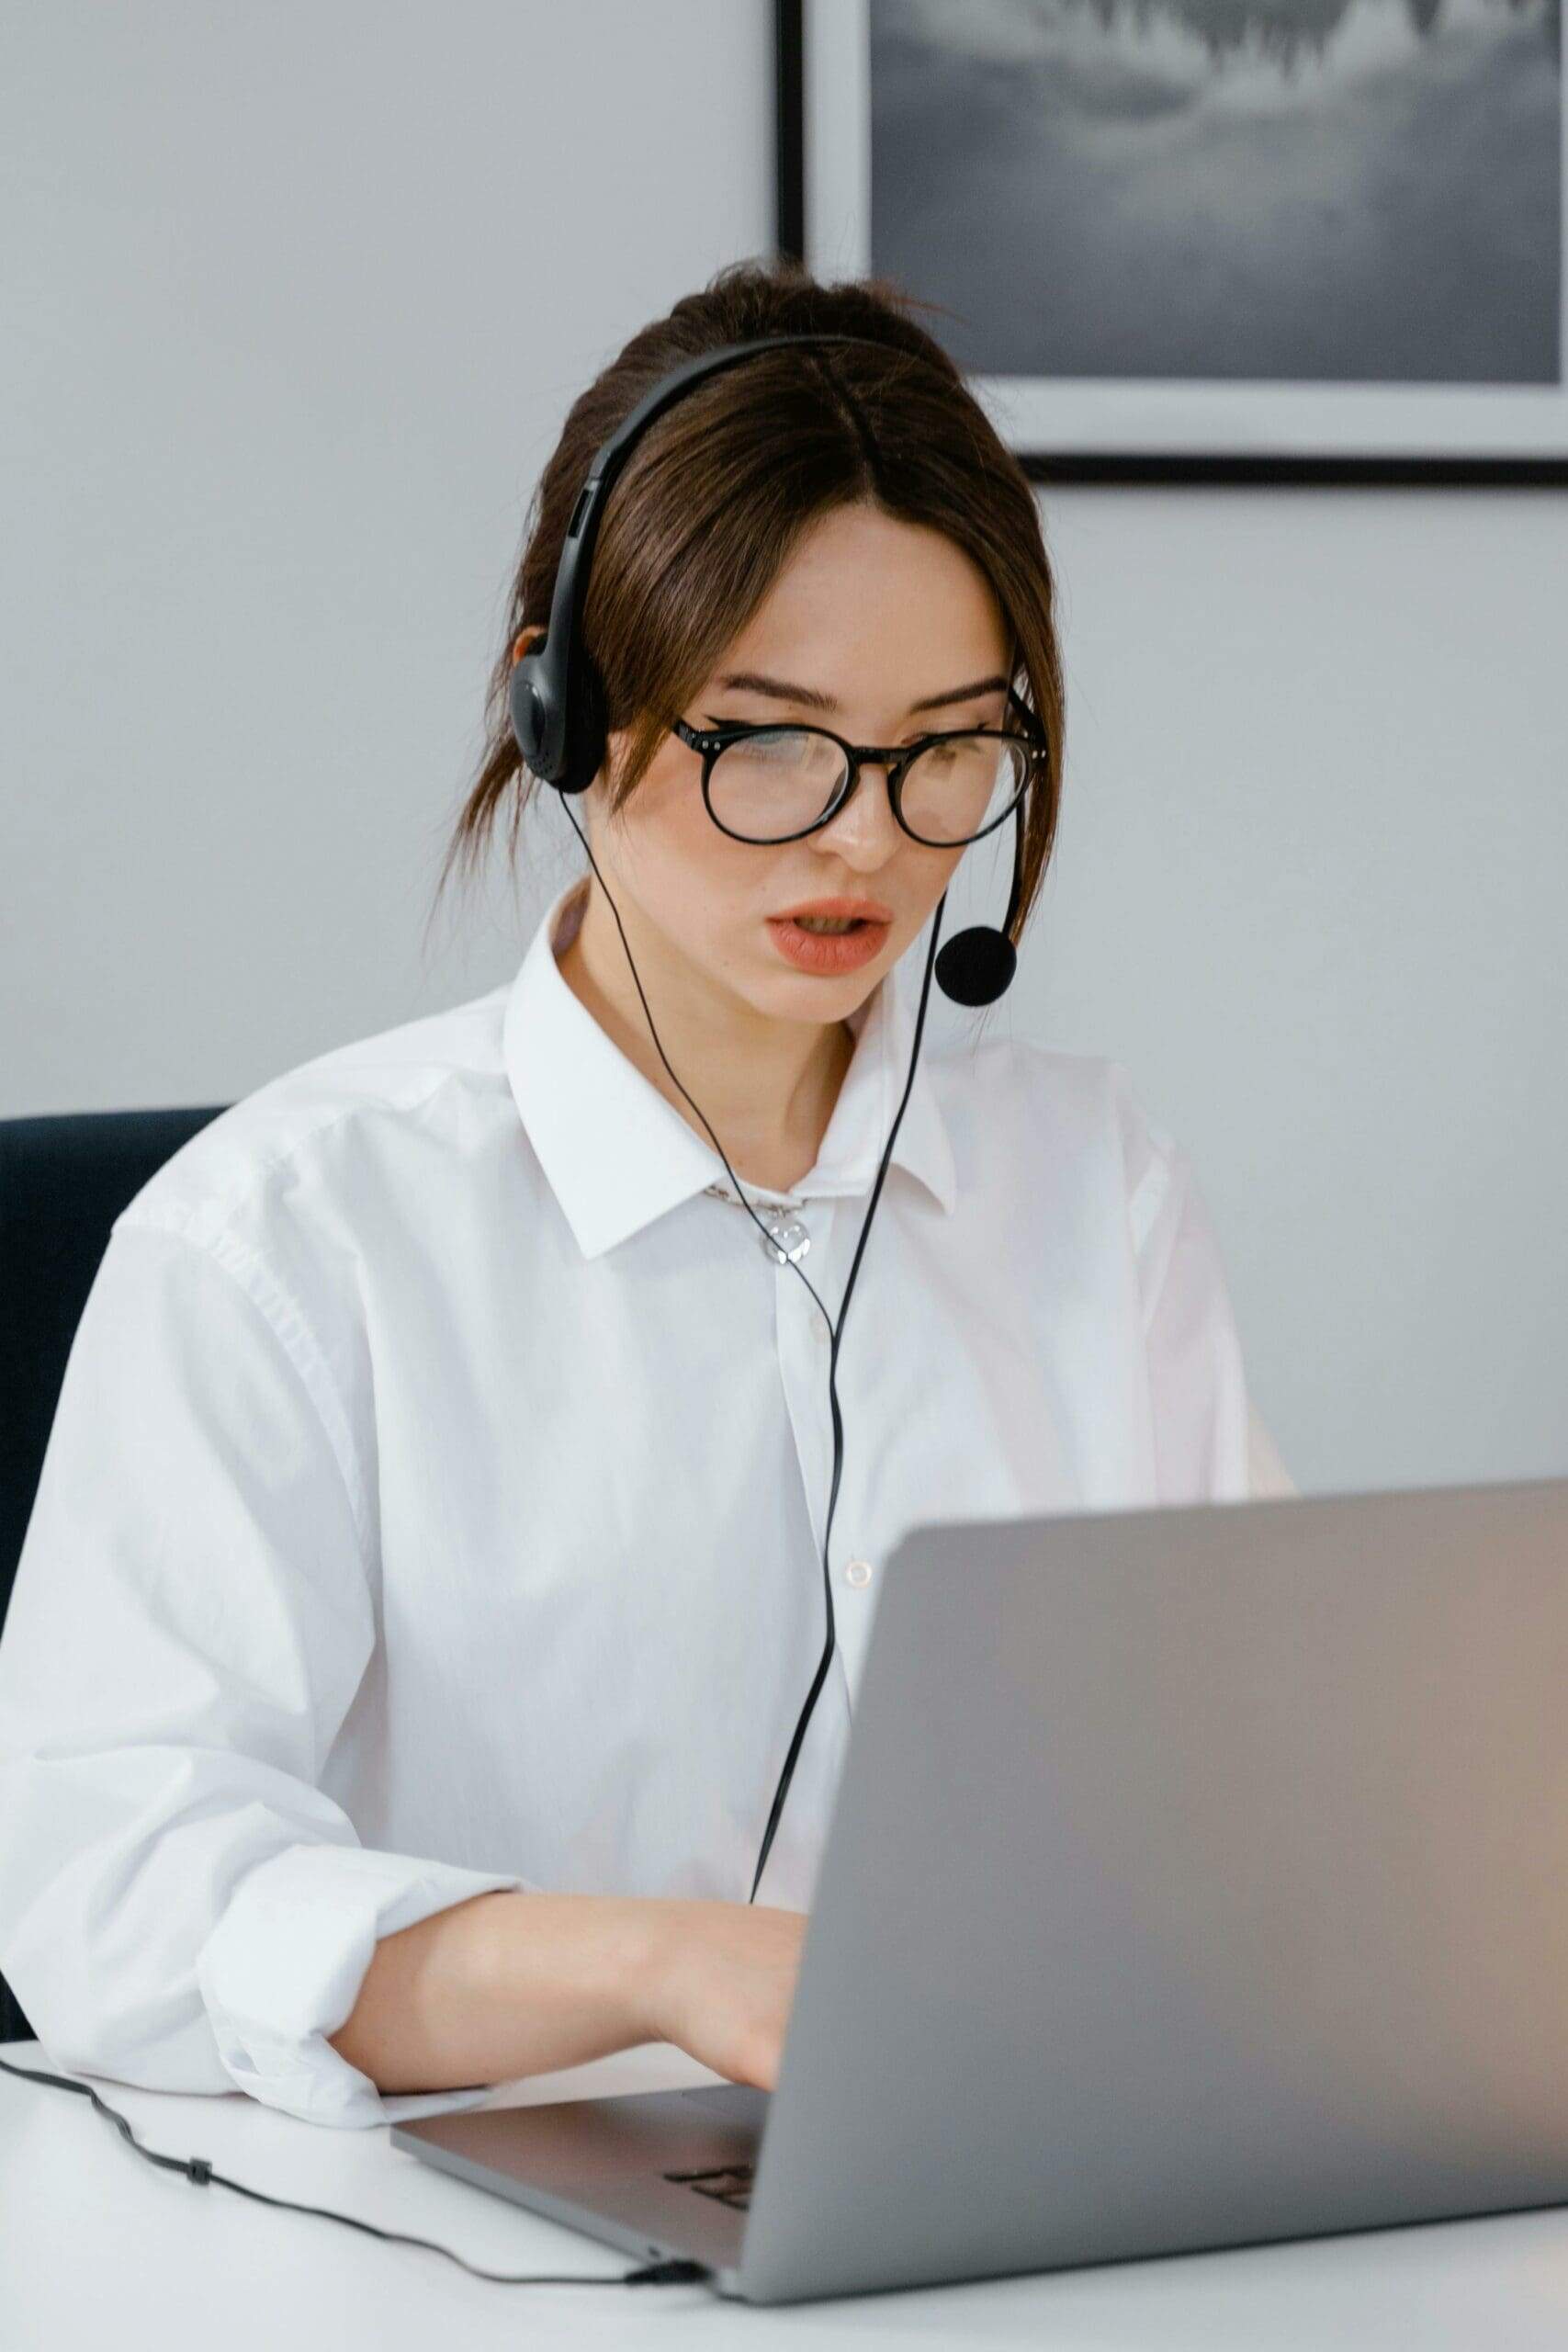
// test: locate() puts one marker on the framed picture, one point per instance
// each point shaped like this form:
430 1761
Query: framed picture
1206 240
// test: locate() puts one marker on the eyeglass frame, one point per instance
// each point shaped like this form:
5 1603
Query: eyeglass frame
896 758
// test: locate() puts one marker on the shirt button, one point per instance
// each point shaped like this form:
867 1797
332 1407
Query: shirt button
857 1572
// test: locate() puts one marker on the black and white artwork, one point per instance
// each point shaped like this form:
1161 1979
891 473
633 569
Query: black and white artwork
1176 237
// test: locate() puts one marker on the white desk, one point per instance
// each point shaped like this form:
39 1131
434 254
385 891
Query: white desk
98 2247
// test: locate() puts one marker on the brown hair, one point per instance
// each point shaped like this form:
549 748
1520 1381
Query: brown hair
719 488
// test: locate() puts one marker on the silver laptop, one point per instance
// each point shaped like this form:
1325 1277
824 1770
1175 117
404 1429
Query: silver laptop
1197 1876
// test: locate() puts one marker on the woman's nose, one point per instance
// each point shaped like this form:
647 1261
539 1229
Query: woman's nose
866 828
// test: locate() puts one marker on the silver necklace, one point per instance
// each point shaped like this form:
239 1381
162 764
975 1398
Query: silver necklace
787 1239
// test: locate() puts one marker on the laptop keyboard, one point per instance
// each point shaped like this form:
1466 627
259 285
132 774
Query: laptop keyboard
728 2184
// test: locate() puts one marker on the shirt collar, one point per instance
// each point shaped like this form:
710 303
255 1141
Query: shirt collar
618 1155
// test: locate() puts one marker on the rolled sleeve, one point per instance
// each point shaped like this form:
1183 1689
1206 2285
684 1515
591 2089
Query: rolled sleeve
182 1906
282 1970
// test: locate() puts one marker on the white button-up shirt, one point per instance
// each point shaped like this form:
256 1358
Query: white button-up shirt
435 1497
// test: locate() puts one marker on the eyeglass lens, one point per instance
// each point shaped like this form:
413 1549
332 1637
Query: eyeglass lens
779 782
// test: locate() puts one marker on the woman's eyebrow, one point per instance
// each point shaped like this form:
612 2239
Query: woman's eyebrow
751 682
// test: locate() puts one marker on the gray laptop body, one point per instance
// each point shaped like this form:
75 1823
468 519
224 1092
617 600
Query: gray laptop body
1197 1876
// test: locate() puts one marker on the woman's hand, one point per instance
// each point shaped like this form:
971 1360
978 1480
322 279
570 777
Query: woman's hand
721 1984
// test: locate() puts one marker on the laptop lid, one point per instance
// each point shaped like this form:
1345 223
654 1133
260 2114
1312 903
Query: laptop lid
1198 1876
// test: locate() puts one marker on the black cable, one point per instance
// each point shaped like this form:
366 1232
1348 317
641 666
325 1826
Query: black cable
672 2273
835 1330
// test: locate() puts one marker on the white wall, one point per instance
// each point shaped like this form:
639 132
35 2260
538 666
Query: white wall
304 295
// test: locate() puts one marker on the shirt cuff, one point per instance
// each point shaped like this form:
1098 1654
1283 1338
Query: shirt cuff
283 1968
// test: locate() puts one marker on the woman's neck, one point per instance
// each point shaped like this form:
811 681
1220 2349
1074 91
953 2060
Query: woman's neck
767 1086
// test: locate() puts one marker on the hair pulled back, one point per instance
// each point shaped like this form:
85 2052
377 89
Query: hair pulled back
717 493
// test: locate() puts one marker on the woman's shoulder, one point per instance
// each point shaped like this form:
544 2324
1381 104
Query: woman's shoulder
328 1120
1079 1109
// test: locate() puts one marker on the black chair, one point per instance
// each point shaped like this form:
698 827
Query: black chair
63 1179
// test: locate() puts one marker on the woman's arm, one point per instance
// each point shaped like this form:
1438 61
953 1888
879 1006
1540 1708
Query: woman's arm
182 1904
512 1983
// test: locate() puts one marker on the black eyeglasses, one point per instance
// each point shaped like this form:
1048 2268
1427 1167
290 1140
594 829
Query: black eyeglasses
763 782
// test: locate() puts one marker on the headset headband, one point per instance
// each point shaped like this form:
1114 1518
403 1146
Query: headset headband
557 708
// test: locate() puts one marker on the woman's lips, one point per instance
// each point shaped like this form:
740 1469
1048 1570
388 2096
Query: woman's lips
827 951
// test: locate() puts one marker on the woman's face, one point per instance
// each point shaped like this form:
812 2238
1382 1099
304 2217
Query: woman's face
882 619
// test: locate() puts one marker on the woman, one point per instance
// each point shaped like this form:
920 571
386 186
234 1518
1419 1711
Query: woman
422 1587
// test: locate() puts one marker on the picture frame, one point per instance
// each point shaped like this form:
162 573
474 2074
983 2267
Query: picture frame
897 76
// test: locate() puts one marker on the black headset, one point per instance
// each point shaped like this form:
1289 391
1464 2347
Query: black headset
557 703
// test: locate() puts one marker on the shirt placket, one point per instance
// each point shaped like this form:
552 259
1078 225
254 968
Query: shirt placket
804 1348
813 1228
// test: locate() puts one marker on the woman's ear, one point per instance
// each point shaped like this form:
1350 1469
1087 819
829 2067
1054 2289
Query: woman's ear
520 644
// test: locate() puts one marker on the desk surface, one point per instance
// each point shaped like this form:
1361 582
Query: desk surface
100 2247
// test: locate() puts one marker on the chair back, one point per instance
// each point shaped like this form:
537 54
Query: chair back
64 1178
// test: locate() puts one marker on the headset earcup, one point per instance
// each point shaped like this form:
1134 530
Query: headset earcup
527 709
583 749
